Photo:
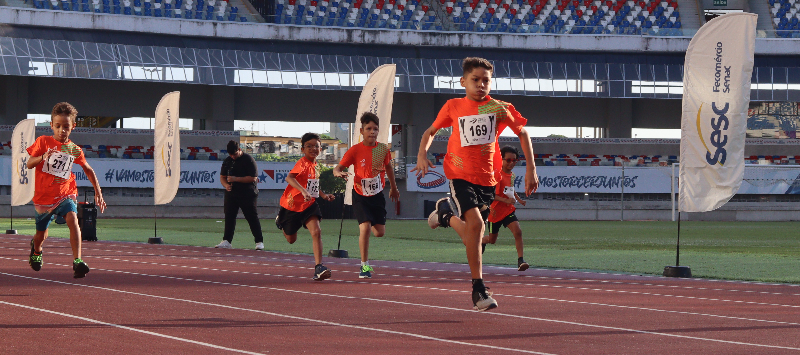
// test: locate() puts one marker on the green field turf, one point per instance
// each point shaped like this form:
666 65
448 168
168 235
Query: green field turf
760 251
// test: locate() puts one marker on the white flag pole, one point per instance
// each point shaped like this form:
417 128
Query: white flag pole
166 160
716 94
22 178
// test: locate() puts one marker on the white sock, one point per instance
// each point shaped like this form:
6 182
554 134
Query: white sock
365 263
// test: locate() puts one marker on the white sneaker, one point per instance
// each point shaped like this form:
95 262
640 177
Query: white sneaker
259 246
224 245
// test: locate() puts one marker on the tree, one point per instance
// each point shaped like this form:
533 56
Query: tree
329 183
556 136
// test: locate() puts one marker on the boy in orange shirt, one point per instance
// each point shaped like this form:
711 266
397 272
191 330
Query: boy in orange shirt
369 159
55 186
502 209
299 206
477 121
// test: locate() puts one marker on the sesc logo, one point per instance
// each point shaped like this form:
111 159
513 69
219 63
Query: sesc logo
438 180
717 139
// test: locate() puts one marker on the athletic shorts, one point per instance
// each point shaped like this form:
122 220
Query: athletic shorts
43 220
495 227
370 208
468 195
291 221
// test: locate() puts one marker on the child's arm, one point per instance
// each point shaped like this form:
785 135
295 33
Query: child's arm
520 200
423 164
338 171
531 178
504 199
292 181
98 194
327 197
34 161
394 193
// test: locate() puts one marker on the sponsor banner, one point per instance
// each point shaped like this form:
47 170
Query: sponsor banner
554 179
47 130
22 178
716 81
167 156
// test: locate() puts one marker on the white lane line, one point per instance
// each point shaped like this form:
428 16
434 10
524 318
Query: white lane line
90 320
390 302
256 311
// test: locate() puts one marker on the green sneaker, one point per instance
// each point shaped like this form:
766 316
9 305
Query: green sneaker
366 272
35 260
80 268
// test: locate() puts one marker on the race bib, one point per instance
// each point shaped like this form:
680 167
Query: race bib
313 187
59 164
477 129
371 186
509 191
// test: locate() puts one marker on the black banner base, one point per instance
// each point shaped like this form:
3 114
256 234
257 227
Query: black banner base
11 231
336 253
157 240
677 271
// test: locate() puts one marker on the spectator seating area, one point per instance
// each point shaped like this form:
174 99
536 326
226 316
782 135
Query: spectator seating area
393 14
785 17
137 152
566 16
214 10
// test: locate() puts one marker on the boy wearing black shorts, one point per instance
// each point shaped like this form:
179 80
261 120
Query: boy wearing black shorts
502 209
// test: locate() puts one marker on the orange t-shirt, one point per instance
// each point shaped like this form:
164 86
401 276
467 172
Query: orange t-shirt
51 189
499 210
475 163
292 199
368 162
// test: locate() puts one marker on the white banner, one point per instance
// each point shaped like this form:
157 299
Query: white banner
22 178
716 95
376 97
166 153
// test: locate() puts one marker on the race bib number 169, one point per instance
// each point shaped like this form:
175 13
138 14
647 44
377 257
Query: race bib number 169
477 129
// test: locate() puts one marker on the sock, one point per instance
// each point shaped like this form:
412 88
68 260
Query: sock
520 259
318 265
365 263
477 285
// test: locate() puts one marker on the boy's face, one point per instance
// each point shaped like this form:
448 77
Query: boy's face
477 83
370 133
311 149
509 162
62 127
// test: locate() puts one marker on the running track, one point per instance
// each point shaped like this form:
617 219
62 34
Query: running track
164 299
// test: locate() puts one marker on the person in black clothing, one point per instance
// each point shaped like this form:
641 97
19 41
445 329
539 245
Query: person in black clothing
239 177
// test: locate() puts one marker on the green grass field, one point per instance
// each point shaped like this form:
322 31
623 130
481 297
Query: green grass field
760 251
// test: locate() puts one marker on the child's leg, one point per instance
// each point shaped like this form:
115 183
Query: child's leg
38 240
316 238
471 232
378 230
363 240
74 234
517 232
490 239
291 238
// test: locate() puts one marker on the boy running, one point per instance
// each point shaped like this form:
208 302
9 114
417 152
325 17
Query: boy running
370 159
502 209
55 187
476 120
299 205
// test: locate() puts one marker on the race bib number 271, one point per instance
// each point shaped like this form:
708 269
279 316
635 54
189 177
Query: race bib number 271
59 164
477 129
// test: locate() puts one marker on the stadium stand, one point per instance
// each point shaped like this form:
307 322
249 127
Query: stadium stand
785 17
211 10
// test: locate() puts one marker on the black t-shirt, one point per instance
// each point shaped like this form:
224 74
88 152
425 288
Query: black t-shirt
243 166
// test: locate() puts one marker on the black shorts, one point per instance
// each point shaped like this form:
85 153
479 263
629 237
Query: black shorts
468 195
495 227
291 221
370 208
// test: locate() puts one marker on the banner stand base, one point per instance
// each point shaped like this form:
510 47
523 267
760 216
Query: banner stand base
11 231
336 253
677 271
156 240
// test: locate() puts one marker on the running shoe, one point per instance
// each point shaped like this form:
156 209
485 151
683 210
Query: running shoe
35 260
482 301
80 268
441 216
321 272
259 246
224 244
366 272
522 265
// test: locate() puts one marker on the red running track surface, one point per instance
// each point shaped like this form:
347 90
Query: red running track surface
142 298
